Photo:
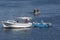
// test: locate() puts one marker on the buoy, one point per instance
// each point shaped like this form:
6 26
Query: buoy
36 12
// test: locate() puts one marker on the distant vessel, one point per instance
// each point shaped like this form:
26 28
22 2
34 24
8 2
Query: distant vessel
9 24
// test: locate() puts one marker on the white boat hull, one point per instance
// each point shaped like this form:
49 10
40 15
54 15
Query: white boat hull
17 25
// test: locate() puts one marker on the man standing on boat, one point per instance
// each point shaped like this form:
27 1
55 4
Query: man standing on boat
26 21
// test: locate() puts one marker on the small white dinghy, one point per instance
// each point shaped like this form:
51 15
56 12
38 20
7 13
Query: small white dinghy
12 24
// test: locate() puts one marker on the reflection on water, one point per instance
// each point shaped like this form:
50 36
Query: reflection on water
29 34
16 34
22 29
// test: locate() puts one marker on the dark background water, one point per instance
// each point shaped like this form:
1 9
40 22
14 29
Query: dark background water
49 11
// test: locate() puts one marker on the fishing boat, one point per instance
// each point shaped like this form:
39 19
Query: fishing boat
12 24
42 24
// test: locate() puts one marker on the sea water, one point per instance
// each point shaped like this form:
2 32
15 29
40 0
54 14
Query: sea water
49 12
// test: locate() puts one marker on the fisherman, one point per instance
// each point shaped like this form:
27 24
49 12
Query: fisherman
26 21
17 21
36 12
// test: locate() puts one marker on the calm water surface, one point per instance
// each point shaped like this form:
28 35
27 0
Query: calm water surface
49 11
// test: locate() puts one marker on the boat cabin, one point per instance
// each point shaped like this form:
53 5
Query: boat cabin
24 19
